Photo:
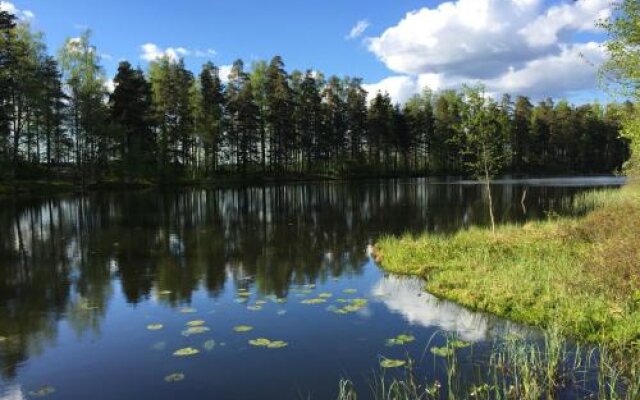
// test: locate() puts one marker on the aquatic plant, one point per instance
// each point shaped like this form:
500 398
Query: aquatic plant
325 295
42 391
188 310
155 327
400 340
313 301
350 291
197 322
390 363
271 344
195 330
254 308
175 377
185 352
209 345
243 328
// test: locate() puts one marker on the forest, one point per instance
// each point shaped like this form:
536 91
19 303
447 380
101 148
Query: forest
60 121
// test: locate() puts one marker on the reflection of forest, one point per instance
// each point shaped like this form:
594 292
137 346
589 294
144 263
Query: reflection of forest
61 256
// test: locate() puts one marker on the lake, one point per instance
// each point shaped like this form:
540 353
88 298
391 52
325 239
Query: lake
98 292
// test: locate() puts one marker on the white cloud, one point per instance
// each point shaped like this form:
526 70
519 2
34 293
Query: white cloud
579 16
151 52
399 88
24 15
358 29
224 71
513 45
205 53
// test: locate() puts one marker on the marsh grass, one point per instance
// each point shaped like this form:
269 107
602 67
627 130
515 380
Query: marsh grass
517 368
581 274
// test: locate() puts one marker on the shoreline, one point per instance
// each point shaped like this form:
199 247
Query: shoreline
577 274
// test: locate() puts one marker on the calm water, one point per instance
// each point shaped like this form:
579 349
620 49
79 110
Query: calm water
82 278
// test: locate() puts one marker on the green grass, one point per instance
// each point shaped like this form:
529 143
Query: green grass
581 275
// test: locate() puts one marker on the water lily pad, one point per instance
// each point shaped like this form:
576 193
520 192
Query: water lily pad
325 295
350 291
281 312
270 344
260 302
188 310
353 305
310 286
242 328
459 344
197 322
155 327
442 351
400 340
241 300
3 339
165 292
209 345
159 346
43 391
254 308
313 301
389 363
195 330
175 377
280 300
185 352
244 294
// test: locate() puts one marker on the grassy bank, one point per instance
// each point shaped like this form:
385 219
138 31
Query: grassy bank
581 275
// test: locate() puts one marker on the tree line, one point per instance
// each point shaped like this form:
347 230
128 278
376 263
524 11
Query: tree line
58 119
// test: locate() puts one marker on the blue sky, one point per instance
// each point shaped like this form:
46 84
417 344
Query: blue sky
442 44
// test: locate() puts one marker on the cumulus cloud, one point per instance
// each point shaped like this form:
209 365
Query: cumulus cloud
524 46
358 29
152 52
25 15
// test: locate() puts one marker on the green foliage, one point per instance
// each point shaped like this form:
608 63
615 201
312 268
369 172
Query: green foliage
579 274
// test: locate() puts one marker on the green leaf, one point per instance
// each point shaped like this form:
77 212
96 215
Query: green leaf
242 328
155 327
175 377
185 352
389 363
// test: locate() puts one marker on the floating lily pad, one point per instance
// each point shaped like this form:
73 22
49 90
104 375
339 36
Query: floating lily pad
241 300
188 310
281 312
242 328
313 301
325 295
176 377
155 327
389 363
260 302
442 351
159 346
197 322
353 305
209 345
270 344
195 330
254 308
310 286
459 344
185 352
164 292
400 340
280 300
244 294
3 339
43 391
350 291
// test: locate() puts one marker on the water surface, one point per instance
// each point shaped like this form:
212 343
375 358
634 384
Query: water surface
83 278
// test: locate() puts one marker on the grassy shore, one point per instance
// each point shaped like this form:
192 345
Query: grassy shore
580 275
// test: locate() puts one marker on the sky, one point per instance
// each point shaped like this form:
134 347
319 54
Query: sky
538 48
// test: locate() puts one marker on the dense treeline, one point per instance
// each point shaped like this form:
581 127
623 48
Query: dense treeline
57 119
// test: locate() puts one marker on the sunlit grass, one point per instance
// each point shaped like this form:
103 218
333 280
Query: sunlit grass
582 274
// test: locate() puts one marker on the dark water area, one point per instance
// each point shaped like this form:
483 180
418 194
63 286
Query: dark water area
97 291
